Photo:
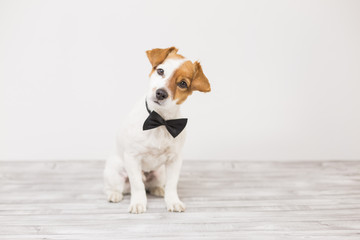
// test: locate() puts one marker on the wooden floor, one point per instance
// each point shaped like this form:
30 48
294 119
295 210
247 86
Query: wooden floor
225 200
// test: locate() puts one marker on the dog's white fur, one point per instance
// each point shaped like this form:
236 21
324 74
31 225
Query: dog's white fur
152 150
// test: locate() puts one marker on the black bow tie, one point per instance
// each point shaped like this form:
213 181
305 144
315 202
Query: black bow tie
174 126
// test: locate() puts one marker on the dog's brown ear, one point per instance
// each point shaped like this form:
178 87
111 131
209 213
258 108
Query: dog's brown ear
200 81
158 55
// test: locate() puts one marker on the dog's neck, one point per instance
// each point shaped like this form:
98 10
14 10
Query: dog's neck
167 113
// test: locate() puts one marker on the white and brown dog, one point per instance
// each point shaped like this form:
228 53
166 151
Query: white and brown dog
149 158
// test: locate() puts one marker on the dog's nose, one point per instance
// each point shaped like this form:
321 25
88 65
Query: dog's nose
161 94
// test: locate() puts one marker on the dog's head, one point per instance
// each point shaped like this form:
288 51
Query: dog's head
173 78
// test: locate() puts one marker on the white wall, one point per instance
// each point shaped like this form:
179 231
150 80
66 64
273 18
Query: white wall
285 76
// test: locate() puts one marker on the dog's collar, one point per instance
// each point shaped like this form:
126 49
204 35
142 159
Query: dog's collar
154 120
147 107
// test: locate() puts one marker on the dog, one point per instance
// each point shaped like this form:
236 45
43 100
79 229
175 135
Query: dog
148 146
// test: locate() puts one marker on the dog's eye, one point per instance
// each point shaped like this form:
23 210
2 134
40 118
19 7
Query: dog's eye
160 71
182 84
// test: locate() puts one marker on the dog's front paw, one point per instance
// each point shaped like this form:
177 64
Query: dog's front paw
137 208
177 206
114 196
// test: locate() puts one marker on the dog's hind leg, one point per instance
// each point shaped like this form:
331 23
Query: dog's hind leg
115 179
155 182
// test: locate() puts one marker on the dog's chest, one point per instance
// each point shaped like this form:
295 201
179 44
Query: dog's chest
159 147
154 158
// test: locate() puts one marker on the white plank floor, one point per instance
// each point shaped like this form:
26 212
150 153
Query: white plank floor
225 200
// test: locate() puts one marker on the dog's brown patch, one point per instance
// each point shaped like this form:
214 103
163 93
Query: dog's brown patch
158 55
193 75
